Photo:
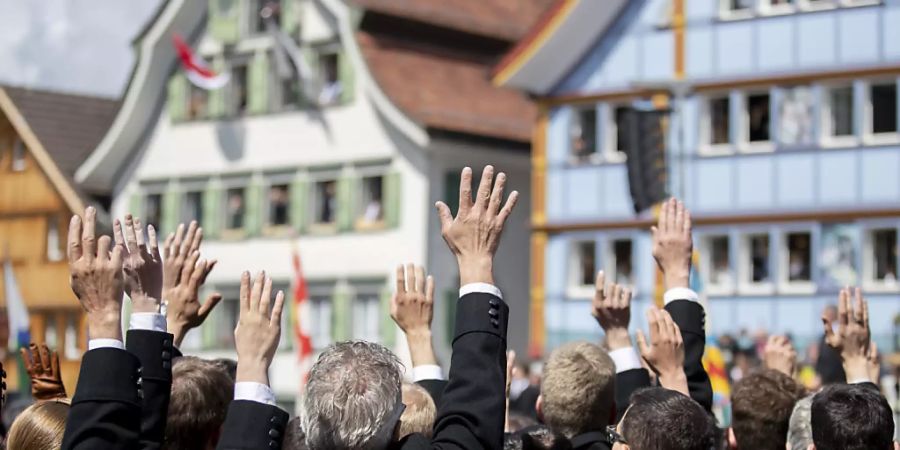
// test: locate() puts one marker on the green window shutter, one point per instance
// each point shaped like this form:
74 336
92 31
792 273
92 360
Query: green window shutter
217 105
223 20
342 308
134 205
290 16
388 328
346 188
253 212
299 200
177 100
170 216
346 75
212 211
258 84
451 296
392 200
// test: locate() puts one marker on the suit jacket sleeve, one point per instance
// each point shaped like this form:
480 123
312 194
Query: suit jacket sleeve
435 389
626 383
252 425
106 408
472 409
691 319
154 351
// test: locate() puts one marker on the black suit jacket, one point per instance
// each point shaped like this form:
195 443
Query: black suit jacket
252 425
830 366
106 408
472 408
154 351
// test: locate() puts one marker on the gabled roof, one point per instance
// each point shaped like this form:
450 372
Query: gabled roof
60 130
556 43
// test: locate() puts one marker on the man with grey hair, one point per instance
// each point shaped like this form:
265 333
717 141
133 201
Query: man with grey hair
799 435
353 398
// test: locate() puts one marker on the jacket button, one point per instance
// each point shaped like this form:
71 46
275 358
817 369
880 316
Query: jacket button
494 302
274 434
493 313
167 343
495 323
166 365
166 355
274 420
273 444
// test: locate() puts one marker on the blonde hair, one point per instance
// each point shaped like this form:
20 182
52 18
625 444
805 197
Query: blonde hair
578 389
420 411
39 427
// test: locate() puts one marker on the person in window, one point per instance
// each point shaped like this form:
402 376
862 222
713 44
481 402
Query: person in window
331 85
278 198
235 210
760 261
327 203
373 211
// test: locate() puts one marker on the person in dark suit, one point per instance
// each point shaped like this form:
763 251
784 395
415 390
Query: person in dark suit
829 365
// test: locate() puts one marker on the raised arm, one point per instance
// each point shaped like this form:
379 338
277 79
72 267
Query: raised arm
853 338
665 351
779 355
471 412
672 249
42 365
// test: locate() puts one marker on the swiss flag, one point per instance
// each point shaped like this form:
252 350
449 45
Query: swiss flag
301 315
195 67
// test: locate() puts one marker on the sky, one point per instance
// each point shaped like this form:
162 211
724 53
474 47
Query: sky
78 46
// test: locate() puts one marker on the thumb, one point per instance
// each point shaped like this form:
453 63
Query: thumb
211 301
444 214
642 343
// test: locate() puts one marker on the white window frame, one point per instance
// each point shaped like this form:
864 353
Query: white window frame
869 136
826 123
706 262
610 261
609 149
783 266
858 3
726 13
55 252
744 143
744 269
869 283
766 8
18 155
707 148
821 5
574 288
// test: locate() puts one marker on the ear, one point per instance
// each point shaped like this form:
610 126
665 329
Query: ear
732 441
539 408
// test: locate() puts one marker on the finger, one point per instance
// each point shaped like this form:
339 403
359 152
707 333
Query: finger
626 298
411 278
256 290
245 291
190 266
266 298
642 343
116 255
188 238
508 207
613 295
74 248
401 280
277 308
444 214
176 242
139 233
420 279
686 226
600 284
858 306
429 289
668 325
198 238
484 188
676 330
167 245
497 194
118 236
510 363
103 245
197 274
26 359
679 216
206 270
465 191
654 325
663 216
865 309
211 301
843 313
88 239
44 355
130 238
154 243
671 214
54 362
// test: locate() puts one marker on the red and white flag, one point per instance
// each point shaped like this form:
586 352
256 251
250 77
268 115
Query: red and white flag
301 317
195 67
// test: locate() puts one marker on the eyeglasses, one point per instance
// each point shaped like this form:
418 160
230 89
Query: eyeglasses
613 436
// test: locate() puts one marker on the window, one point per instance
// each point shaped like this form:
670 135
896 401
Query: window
883 99
799 257
279 204
325 202
18 156
366 316
290 93
757 259
839 120
622 264
192 207
234 208
584 263
260 10
319 321
198 102
758 117
54 244
883 256
719 120
623 144
735 8
583 132
837 256
717 261
796 117
330 83
371 208
229 312
238 88
777 6
71 348
153 209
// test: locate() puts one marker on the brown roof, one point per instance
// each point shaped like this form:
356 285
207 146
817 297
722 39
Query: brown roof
68 126
503 19
446 91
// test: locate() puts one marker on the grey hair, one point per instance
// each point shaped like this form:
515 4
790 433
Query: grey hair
352 391
800 429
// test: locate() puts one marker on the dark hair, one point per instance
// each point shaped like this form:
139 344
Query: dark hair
661 419
201 393
294 437
851 417
229 365
536 437
761 405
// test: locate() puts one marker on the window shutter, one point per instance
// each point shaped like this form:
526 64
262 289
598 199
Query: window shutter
346 187
341 317
217 105
223 20
290 16
170 216
392 199
299 202
258 84
134 205
346 75
388 328
253 211
177 101
212 211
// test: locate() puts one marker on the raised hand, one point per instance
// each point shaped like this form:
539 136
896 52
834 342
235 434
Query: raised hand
42 365
853 336
259 328
185 273
142 264
412 308
672 243
95 274
780 355
665 353
611 308
473 235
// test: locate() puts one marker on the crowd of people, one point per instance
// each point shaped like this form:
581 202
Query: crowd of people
641 392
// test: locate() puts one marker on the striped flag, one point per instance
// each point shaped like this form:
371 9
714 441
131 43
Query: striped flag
301 316
19 332
195 67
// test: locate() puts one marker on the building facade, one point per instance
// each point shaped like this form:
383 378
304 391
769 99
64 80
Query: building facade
782 140
345 165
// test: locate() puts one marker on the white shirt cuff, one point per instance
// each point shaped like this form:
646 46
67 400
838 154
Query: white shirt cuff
625 359
256 392
680 293
105 343
427 372
484 288
148 321
859 380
